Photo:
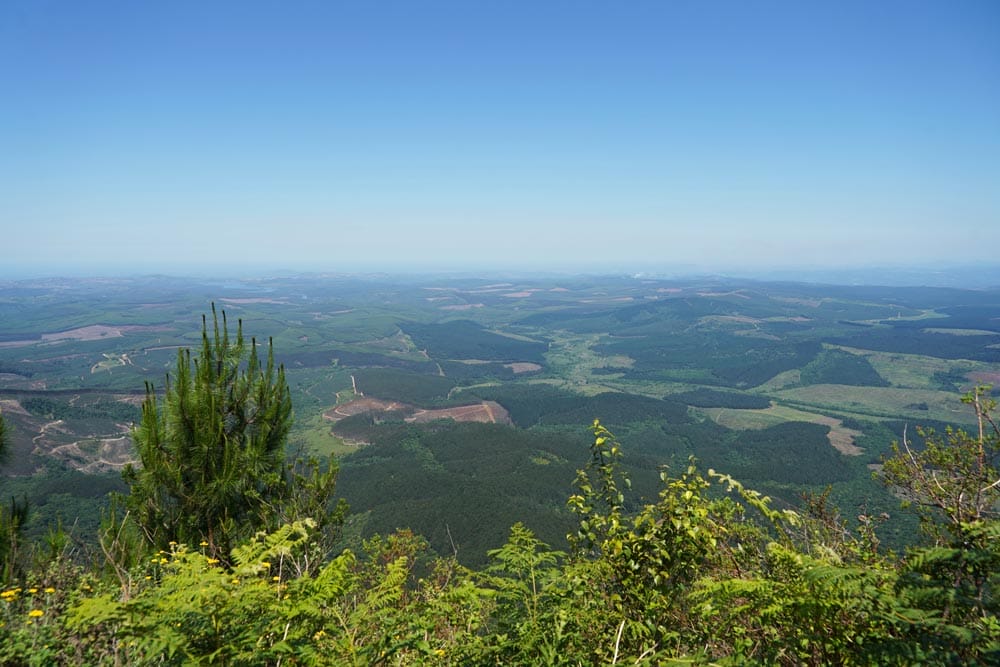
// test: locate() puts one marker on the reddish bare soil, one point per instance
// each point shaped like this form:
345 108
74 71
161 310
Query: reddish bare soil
487 412
463 306
280 302
98 331
95 455
523 367
362 405
985 377
11 406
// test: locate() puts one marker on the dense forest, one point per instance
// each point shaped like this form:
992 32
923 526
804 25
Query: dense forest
223 551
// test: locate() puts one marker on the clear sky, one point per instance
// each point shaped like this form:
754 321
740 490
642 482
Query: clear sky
591 135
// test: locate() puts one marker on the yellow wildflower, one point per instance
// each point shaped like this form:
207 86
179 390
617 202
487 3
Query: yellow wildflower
32 590
203 543
211 561
265 564
35 613
275 578
50 590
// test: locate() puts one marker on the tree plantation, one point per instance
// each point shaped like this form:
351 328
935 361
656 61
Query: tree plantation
224 552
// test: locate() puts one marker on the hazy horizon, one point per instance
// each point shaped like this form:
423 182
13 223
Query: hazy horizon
965 276
583 137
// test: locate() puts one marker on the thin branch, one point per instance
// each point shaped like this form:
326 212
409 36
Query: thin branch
618 640
987 488
454 549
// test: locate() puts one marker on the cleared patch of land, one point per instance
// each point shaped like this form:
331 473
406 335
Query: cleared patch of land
523 367
17 343
728 319
279 302
609 299
960 332
98 331
841 438
884 402
786 318
10 406
111 361
363 405
812 303
96 454
985 377
314 435
782 380
913 370
86 452
488 412
712 294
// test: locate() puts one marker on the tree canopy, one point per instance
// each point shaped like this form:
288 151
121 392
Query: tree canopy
212 451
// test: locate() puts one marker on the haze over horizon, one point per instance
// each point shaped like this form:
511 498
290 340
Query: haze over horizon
564 136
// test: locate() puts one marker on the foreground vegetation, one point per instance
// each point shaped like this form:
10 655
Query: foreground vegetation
709 573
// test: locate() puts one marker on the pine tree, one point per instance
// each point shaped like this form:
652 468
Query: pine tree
212 452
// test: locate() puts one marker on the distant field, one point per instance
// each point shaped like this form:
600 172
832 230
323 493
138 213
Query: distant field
782 380
485 412
914 370
841 438
571 357
885 402
962 332
314 437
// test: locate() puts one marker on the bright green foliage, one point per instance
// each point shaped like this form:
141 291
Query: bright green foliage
953 480
29 625
794 608
13 516
526 577
642 565
708 572
955 483
191 610
213 451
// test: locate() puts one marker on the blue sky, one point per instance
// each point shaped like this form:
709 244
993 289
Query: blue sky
545 135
